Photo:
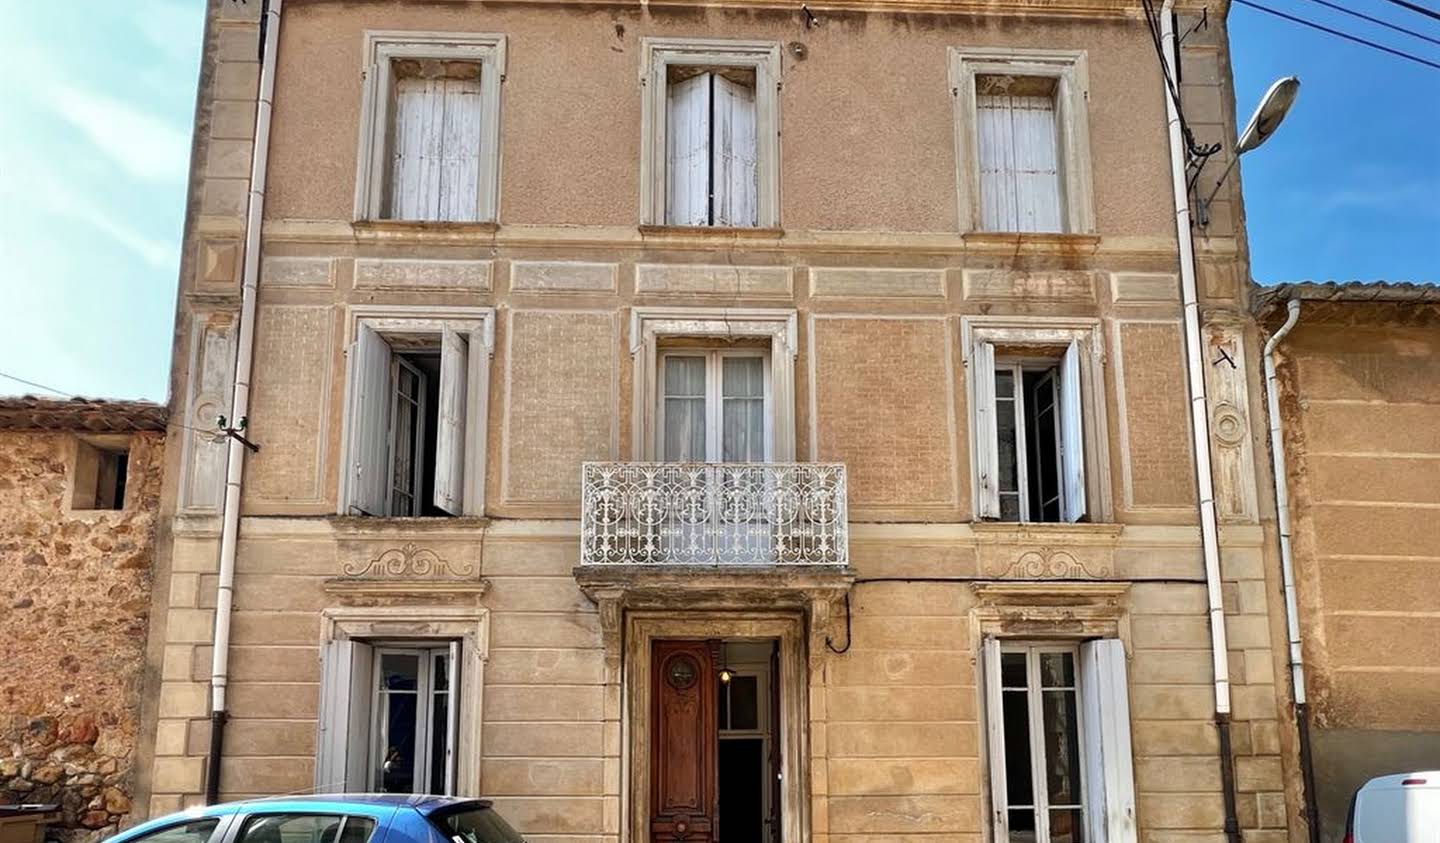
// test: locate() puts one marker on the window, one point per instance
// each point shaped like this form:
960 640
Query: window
714 406
430 127
415 410
99 475
306 828
710 133
1022 140
1058 741
389 722
1037 419
476 825
193 831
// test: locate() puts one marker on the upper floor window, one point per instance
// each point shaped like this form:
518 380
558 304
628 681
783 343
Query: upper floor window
1023 140
429 128
710 127
100 473
715 405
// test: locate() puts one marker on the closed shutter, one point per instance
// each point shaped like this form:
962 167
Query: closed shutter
435 165
450 424
1105 729
995 737
987 447
1019 169
734 156
367 455
687 151
1072 440
346 677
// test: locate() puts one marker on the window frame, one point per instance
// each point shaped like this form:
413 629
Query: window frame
657 56
714 398
380 49
1070 70
1054 332
478 324
1019 365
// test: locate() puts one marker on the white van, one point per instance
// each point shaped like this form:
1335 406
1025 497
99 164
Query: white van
1403 808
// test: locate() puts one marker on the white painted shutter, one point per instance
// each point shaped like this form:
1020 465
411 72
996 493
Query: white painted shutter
987 446
1105 719
687 152
369 424
995 737
346 675
734 155
1072 440
450 424
435 165
1019 170
452 715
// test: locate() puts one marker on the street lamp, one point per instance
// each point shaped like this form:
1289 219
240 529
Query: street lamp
1263 123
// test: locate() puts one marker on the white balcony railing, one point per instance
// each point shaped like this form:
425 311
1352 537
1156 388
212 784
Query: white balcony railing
713 514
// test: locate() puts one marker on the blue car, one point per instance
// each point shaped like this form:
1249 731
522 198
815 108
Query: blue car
345 818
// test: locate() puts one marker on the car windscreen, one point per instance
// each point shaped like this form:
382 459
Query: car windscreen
475 825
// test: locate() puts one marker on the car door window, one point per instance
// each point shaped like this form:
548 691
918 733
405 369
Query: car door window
306 828
193 831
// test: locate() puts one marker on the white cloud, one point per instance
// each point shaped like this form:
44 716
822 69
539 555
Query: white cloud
144 146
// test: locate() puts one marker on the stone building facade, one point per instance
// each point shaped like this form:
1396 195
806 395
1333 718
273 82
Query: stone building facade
1360 408
79 495
667 467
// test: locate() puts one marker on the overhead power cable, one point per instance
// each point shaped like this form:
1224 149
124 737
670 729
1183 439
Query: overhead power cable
38 385
1377 21
1418 9
1338 34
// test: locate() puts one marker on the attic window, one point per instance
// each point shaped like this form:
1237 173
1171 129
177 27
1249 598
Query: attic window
100 476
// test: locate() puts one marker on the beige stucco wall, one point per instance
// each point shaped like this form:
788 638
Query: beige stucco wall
1362 423
879 279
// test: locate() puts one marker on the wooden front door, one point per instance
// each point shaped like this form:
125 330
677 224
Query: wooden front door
683 742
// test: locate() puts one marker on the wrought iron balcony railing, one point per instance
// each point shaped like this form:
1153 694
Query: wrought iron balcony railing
642 513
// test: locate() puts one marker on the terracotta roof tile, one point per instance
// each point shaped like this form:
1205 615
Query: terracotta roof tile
91 415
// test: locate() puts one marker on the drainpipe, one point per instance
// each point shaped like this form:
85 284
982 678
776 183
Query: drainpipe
240 405
1200 429
1287 567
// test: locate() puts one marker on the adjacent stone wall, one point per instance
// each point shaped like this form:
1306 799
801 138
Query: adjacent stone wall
74 608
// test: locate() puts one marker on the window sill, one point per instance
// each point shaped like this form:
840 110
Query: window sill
1032 242
714 232
353 524
426 226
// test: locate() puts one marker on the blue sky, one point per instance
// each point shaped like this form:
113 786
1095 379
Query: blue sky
94 151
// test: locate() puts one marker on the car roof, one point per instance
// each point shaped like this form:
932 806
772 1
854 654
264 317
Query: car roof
1431 777
316 803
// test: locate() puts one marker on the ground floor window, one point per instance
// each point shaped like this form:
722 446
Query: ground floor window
1058 741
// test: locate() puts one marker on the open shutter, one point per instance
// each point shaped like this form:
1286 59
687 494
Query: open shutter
734 155
346 670
995 737
369 424
450 424
987 447
1072 440
452 715
687 152
1105 728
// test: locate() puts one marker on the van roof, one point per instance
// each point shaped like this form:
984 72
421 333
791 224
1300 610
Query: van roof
1430 778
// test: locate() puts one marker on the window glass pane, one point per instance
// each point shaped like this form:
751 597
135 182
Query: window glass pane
400 671
1062 747
743 430
1042 437
1012 670
441 672
744 703
477 826
742 377
1057 670
1066 826
684 429
685 376
195 831
1004 383
439 731
1022 826
1007 437
306 828
1019 789
397 765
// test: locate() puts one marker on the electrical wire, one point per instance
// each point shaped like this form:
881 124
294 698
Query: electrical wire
1198 154
39 385
1429 13
1377 21
1338 34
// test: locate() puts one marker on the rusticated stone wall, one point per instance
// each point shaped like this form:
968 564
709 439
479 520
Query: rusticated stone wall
74 609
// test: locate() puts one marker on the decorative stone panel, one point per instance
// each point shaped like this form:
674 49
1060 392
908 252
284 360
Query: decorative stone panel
385 273
1011 284
294 352
1227 375
723 280
562 277
1155 453
866 282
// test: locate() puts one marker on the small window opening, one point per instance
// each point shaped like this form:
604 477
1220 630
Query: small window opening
100 477
415 399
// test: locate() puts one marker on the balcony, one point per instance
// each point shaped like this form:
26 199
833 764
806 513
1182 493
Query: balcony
713 514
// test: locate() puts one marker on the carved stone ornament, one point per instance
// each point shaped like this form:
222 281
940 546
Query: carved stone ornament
408 562
1048 563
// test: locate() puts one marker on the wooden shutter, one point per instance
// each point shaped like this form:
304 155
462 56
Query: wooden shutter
995 737
734 158
367 456
1019 170
346 678
987 446
687 151
435 165
450 423
1072 440
1105 729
